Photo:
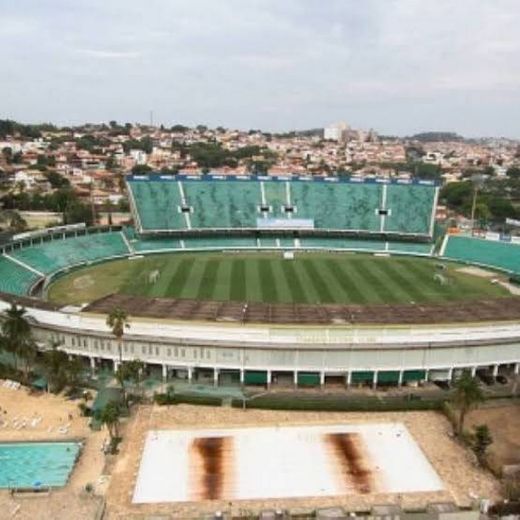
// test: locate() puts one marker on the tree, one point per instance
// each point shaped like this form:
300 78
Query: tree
15 222
109 416
181 129
56 180
16 334
513 172
482 439
54 362
59 370
7 152
140 169
467 394
117 321
130 371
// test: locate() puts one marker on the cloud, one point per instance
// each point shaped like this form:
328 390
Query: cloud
110 54
395 65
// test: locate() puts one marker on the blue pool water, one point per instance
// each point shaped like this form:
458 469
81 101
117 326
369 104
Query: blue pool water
36 464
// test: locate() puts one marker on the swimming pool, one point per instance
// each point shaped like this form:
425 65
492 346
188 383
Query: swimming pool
36 464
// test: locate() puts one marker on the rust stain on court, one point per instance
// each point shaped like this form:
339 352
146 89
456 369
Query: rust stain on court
211 476
351 461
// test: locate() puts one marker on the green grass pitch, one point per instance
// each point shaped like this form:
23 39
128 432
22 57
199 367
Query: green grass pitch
262 277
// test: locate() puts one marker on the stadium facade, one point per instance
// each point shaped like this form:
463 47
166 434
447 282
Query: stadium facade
174 214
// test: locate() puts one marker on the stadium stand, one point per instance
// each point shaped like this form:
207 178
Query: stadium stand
183 203
410 210
53 255
410 247
222 204
355 205
490 253
219 243
267 243
14 278
158 205
343 243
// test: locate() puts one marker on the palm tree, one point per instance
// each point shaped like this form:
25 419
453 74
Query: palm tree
59 369
129 371
109 416
16 333
117 320
467 394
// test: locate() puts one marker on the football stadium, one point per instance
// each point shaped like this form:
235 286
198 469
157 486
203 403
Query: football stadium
258 280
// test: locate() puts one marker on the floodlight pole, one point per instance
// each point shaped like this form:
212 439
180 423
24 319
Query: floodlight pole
477 180
474 207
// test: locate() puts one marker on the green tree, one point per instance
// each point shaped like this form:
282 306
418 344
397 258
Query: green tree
56 180
467 395
16 333
181 129
54 362
7 152
482 439
110 163
130 371
140 169
117 321
513 172
59 370
110 416
147 144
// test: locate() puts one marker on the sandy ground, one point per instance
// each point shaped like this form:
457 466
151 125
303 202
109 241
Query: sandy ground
478 271
483 273
504 424
50 417
464 481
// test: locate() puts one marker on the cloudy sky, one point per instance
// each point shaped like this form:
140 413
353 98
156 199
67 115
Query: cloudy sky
399 66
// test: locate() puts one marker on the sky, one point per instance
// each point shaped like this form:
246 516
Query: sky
398 66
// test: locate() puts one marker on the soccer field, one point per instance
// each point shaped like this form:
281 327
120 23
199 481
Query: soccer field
262 277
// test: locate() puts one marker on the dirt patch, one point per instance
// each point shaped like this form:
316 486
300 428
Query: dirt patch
83 282
504 424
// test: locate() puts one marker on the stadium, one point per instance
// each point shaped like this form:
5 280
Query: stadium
268 280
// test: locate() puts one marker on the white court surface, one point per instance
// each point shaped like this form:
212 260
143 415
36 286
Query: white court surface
281 462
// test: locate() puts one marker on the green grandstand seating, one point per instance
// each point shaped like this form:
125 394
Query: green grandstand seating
410 247
275 198
502 255
14 278
367 245
286 242
155 244
338 205
158 205
343 243
267 242
410 208
53 255
225 204
219 242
